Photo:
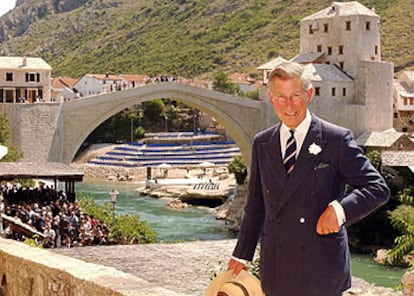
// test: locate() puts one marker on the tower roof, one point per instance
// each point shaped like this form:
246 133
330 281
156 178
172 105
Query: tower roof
342 9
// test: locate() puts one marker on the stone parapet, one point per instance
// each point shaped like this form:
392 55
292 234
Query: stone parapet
29 271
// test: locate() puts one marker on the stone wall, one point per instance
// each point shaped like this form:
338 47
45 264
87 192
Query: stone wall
29 271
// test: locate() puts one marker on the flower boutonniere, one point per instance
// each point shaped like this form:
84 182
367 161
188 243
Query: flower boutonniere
314 149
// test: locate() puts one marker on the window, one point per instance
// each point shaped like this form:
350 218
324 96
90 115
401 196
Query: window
328 62
325 28
319 48
32 77
348 26
333 91
344 91
317 91
340 49
405 101
310 29
341 65
376 49
329 50
368 26
9 76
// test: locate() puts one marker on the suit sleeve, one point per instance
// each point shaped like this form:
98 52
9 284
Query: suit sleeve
368 190
251 225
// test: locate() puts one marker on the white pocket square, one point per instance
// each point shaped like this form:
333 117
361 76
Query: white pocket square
321 166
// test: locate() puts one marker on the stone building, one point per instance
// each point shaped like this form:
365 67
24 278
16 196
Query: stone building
404 102
62 89
24 79
341 47
95 84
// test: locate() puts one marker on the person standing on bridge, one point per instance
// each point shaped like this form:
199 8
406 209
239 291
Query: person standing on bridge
308 181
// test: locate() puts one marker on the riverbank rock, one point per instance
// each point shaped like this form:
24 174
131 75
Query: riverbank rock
232 209
176 204
408 282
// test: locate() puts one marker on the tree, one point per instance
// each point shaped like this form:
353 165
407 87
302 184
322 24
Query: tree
222 83
153 109
127 226
402 219
239 169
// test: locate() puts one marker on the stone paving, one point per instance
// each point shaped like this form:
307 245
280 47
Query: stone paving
183 267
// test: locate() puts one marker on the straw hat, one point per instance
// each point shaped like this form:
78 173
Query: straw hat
245 284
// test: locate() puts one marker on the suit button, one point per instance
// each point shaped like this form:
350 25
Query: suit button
302 220
279 247
268 191
279 220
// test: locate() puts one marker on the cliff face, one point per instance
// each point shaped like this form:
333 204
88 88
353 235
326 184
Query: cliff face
27 12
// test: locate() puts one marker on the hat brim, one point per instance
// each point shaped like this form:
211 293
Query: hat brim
250 283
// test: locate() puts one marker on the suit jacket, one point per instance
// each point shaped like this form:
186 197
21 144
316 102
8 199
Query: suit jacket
283 212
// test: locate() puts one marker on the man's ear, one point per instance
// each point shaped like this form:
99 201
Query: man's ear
309 95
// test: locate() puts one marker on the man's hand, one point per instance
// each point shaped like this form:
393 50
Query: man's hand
328 222
236 266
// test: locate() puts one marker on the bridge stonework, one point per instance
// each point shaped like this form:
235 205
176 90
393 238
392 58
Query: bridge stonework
55 131
28 271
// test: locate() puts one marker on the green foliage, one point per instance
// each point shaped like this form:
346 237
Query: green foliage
88 205
374 157
222 83
239 169
12 154
4 129
189 39
139 132
131 227
32 242
153 109
127 227
402 219
253 94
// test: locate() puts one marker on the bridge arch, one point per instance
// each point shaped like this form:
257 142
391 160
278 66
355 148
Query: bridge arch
241 117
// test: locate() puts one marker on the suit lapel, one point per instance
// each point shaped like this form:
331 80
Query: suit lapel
274 156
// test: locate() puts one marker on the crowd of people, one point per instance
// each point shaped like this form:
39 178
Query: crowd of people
59 220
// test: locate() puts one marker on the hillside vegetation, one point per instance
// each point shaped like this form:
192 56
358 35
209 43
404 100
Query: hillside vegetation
181 37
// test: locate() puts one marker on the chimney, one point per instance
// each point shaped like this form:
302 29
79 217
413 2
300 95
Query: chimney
24 63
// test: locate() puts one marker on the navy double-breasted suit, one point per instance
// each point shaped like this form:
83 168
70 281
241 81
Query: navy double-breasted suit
282 212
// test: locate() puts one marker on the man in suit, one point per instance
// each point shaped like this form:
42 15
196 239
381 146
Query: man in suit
308 181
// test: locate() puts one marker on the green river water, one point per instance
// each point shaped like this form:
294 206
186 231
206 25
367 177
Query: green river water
198 223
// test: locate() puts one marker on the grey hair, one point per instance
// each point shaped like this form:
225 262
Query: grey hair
288 70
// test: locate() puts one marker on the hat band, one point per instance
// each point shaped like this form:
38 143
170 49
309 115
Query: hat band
242 288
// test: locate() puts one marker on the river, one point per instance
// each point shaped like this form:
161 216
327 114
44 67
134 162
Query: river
198 223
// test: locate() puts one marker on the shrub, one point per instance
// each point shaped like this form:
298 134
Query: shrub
239 169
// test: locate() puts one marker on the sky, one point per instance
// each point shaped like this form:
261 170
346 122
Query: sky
6 5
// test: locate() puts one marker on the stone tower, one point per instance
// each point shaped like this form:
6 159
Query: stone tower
344 33
353 87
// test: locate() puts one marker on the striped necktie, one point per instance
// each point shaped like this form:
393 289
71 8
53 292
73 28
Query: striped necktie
290 153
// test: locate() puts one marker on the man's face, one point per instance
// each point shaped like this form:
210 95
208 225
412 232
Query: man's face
290 100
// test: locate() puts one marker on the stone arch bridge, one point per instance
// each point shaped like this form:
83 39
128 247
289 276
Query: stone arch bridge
55 131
